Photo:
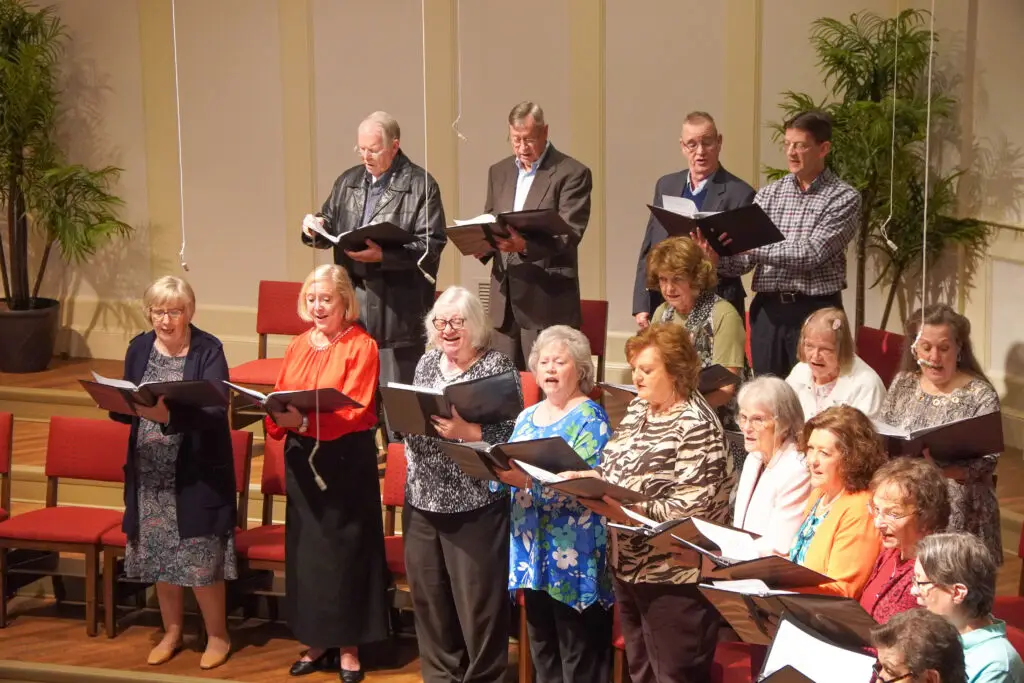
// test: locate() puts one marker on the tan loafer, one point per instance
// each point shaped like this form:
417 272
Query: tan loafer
162 653
214 655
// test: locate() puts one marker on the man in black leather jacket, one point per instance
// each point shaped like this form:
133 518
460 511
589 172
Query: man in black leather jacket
395 286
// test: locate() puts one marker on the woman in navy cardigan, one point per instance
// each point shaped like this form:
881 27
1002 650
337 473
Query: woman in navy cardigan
179 491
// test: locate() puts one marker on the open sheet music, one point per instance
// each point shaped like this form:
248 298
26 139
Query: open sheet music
478 235
807 651
326 400
971 437
747 227
122 396
385 234
483 460
583 487
485 400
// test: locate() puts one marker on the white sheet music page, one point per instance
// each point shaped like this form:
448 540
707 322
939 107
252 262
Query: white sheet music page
735 545
680 205
820 661
482 219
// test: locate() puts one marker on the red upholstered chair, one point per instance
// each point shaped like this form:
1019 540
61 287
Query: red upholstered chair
595 327
393 497
881 350
531 392
6 448
1016 637
114 541
262 547
276 313
76 448
746 347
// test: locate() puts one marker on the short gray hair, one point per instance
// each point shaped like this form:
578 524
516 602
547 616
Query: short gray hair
522 110
469 307
578 346
388 124
778 398
961 557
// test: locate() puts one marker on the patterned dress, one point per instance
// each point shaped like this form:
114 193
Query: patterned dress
973 503
159 554
557 545
700 324
679 459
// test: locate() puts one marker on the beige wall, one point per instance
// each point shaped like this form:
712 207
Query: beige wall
272 90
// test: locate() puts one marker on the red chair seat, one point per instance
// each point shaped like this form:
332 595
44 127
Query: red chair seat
1009 608
264 543
72 524
3 514
260 371
394 553
114 538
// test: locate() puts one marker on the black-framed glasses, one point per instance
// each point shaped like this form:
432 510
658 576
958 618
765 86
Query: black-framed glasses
922 584
455 323
876 675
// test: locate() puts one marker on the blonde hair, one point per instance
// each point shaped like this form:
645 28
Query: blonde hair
578 347
170 289
681 257
337 276
834 321
471 310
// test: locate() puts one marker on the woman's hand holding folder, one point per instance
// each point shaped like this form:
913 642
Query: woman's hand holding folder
456 428
515 476
291 418
155 413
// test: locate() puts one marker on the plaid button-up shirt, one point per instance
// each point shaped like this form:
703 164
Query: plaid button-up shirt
818 224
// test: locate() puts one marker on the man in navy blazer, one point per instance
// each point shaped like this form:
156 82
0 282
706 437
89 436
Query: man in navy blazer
711 188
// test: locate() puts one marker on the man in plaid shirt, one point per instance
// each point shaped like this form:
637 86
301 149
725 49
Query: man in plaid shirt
818 214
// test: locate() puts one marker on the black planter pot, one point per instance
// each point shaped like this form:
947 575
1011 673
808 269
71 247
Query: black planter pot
28 338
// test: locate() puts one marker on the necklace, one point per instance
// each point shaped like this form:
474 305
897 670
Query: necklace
181 350
330 342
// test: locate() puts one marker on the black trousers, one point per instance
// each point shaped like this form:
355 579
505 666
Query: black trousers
457 566
670 630
775 323
568 646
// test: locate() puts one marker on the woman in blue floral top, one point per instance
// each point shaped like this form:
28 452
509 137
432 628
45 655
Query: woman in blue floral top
557 549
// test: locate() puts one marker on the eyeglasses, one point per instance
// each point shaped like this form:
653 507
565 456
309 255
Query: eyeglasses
922 584
809 349
706 143
888 515
524 142
455 323
756 422
372 153
876 675
159 313
798 147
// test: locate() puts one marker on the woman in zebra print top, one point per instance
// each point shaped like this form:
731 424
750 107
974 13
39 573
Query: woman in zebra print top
671 447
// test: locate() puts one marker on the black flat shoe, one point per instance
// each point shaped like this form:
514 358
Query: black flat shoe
349 676
328 661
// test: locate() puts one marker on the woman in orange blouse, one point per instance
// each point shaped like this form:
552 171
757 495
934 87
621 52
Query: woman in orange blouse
838 537
336 576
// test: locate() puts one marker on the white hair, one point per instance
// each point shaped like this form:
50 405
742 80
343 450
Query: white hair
469 307
775 396
389 128
578 346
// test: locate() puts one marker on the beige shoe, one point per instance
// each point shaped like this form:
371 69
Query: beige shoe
215 654
162 653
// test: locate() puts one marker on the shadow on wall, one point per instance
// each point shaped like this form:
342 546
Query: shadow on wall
1013 399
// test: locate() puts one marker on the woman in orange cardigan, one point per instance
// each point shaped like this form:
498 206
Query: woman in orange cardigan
838 537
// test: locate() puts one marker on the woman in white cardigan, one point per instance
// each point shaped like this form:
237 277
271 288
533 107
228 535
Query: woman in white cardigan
829 372
772 492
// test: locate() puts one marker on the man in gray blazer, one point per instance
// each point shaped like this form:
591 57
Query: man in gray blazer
711 188
535 284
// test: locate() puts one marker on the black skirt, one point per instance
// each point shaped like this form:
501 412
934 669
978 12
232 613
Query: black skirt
336 579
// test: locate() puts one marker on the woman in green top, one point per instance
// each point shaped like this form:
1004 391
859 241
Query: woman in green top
686 278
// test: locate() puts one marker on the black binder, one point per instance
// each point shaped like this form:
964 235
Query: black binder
972 437
486 400
747 227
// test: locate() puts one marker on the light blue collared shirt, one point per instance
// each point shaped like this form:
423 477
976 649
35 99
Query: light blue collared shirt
525 180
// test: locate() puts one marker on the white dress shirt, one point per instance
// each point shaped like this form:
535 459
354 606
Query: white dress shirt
525 179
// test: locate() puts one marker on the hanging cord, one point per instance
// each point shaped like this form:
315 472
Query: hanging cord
458 71
892 148
177 107
927 168
426 176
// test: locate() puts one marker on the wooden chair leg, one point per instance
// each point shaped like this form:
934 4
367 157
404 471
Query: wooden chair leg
109 592
91 575
525 659
3 587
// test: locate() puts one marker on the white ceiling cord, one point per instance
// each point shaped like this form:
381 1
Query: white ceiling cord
892 147
177 108
927 168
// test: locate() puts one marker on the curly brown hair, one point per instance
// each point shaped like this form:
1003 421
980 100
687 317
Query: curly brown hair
680 257
960 326
859 444
677 353
922 486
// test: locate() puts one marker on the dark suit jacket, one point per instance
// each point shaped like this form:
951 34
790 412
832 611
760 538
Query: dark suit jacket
725 191
204 478
541 285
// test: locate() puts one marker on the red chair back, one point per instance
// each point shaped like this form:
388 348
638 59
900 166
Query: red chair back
80 448
272 482
393 490
277 308
746 344
881 350
595 324
241 452
1016 638
531 392
6 443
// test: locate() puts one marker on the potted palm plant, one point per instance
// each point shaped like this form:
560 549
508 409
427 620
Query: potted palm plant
856 59
69 205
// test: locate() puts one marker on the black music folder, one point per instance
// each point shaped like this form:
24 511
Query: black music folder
325 400
715 377
800 652
485 400
755 612
478 235
122 396
474 459
748 227
583 487
481 460
386 234
972 437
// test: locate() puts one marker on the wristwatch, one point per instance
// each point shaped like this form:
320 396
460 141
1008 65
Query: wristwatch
304 427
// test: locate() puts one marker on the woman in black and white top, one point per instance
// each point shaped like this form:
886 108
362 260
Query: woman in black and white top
456 529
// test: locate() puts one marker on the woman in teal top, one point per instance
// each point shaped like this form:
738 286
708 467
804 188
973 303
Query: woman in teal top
557 549
955 577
